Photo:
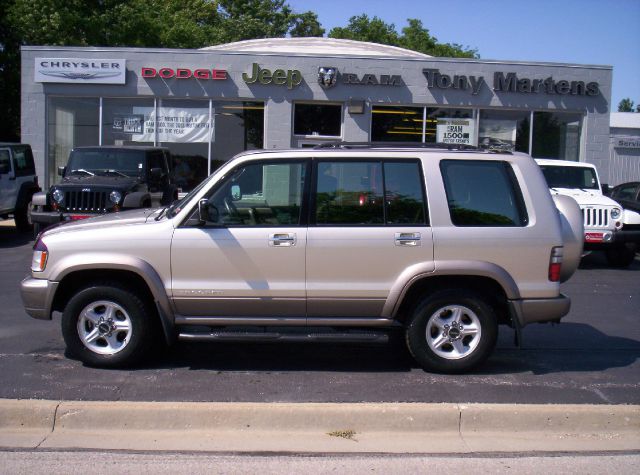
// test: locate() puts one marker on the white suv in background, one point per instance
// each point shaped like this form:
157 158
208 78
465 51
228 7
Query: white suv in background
603 218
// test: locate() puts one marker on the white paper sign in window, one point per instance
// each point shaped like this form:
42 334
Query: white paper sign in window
456 131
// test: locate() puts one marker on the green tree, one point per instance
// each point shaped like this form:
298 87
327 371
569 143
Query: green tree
414 37
362 28
417 38
305 25
625 105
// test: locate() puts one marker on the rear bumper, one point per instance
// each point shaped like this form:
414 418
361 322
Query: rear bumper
540 310
37 297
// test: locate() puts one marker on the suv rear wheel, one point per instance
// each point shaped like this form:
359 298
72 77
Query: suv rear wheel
452 331
107 326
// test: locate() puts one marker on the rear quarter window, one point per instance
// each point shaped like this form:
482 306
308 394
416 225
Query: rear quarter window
24 164
483 193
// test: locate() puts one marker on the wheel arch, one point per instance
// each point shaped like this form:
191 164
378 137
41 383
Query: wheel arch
140 277
488 280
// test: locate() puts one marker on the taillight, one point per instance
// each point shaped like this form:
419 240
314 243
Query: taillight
555 264
40 255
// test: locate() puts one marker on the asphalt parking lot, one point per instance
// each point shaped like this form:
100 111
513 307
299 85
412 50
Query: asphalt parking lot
592 357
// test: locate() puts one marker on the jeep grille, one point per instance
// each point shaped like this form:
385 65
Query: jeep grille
595 217
92 201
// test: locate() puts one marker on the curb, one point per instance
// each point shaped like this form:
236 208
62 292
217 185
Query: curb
318 427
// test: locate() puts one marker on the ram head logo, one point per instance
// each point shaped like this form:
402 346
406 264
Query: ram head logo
327 76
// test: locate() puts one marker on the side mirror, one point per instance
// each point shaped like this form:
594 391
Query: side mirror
236 194
155 174
606 190
207 213
61 171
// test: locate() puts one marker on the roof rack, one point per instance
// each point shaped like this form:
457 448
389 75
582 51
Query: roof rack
350 145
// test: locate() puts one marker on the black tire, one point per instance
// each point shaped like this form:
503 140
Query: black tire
22 215
435 312
621 256
135 343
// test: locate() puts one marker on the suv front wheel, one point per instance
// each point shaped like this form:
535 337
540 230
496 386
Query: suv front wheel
451 331
105 325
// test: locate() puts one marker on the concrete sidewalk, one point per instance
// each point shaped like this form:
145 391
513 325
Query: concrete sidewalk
319 427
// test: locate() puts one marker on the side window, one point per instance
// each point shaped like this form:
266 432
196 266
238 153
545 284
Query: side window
482 193
23 160
156 160
625 193
403 193
369 193
5 161
260 194
349 193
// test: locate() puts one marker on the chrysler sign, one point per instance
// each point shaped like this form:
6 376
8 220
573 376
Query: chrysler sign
80 70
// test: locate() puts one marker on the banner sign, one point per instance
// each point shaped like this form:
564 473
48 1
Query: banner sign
456 131
174 125
80 70
629 142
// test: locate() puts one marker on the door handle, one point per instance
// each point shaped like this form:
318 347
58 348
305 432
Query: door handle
408 239
282 239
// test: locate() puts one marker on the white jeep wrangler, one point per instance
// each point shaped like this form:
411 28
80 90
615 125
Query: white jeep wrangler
604 219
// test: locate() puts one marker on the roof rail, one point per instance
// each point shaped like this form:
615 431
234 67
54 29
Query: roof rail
352 145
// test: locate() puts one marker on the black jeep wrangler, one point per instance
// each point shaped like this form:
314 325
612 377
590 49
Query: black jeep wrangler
100 180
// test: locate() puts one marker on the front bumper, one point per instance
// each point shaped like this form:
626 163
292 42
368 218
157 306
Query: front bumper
37 297
47 218
617 238
540 310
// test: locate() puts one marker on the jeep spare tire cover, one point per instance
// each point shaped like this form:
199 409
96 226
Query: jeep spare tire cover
572 234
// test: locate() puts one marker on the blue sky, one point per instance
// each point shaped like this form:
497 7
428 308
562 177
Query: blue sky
603 32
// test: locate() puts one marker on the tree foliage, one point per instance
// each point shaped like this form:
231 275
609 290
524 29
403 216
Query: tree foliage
626 105
172 24
414 37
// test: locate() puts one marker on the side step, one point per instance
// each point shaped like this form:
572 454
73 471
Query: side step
319 337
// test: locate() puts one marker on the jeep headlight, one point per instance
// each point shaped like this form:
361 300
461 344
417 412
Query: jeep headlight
615 213
115 197
58 196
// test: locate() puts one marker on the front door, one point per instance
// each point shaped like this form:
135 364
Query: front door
368 225
248 258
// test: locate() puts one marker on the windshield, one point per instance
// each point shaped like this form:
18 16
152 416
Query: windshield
106 162
570 177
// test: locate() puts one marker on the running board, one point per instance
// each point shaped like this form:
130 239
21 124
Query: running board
330 337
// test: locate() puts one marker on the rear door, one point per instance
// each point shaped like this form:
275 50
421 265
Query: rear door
369 223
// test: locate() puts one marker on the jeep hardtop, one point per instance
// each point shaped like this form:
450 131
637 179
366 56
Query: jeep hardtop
338 244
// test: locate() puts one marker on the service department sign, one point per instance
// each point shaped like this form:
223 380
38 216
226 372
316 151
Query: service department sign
80 70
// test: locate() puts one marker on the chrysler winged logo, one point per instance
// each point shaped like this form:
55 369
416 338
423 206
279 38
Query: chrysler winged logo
70 75
327 76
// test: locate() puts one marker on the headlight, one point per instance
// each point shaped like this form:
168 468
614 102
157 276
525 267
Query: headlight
115 197
615 213
58 196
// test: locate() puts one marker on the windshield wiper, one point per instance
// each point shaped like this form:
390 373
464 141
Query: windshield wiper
116 171
161 213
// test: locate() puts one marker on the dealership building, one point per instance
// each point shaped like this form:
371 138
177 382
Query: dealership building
209 104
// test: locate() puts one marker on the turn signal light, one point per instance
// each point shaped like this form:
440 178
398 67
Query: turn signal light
40 255
555 264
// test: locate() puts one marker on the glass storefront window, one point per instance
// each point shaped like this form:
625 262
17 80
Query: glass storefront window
238 126
396 124
556 135
128 121
323 120
452 126
71 122
183 127
504 130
